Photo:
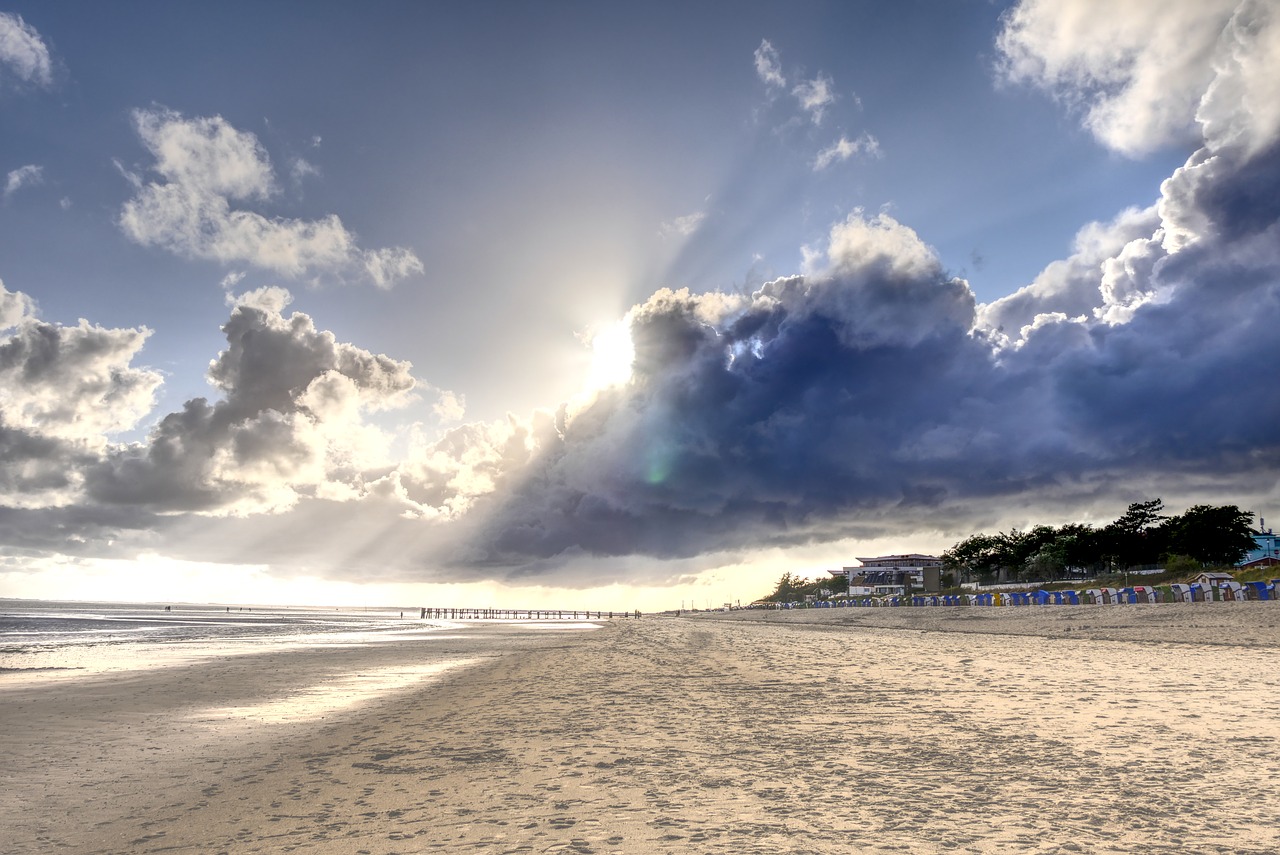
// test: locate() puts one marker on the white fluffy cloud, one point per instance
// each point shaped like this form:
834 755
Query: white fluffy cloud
291 422
23 176
1138 70
23 52
72 383
14 306
63 391
208 171
1071 287
1241 107
1170 70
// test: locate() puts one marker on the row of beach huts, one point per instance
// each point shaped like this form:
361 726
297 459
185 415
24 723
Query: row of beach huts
1195 592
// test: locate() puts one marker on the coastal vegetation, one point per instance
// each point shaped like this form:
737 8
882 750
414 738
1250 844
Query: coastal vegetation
1142 537
793 588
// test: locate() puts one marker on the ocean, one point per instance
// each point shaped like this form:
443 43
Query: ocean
45 638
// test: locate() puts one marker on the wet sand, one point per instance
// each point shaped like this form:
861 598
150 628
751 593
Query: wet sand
1115 730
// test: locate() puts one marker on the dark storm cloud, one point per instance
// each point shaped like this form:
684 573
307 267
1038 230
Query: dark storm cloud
866 386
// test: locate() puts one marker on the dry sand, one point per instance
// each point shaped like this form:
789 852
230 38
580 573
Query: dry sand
1098 729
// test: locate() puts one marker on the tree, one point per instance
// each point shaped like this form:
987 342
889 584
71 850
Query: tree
789 587
1081 546
1212 535
974 556
1137 537
1141 516
1030 553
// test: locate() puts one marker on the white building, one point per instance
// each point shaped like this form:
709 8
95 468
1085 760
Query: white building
890 574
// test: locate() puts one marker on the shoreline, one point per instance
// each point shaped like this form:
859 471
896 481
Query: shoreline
671 735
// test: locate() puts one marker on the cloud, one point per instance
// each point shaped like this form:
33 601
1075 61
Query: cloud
815 96
300 168
768 66
385 267
451 406
845 148
23 52
867 395
14 307
73 383
683 226
1241 107
204 166
813 101
290 423
24 176
871 393
1139 71
1073 287
63 390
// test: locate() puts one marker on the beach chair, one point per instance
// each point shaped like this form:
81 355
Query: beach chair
1255 590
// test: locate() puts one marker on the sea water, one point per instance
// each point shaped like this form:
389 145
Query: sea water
243 664
42 637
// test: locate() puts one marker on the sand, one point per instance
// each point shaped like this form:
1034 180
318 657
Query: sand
1101 729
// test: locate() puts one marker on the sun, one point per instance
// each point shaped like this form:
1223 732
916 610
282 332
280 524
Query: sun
612 354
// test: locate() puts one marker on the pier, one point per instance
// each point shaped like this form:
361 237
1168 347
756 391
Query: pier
523 614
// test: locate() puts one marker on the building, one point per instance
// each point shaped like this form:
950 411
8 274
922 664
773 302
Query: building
1266 550
892 574
1212 580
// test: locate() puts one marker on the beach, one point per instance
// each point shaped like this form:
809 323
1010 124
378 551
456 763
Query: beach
1049 730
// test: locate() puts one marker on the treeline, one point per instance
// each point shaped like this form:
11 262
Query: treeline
792 588
1204 535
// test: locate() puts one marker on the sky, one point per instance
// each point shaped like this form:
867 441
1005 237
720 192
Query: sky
615 306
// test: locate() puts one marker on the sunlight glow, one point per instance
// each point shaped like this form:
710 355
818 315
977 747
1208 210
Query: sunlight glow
612 354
